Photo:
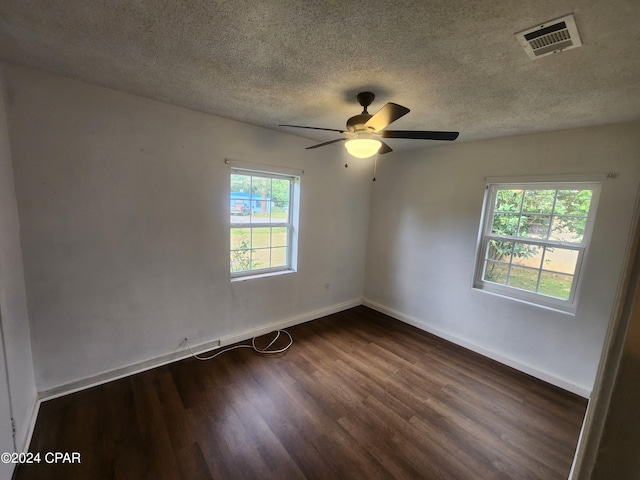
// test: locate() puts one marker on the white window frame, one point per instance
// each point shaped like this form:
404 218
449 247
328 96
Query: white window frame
485 235
291 223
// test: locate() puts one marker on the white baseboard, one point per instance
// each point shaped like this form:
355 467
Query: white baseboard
529 370
184 352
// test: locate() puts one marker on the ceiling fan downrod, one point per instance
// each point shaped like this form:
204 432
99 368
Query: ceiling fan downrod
365 99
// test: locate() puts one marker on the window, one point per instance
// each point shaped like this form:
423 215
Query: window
534 240
262 211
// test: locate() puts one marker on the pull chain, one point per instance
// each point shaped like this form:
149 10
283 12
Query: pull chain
375 166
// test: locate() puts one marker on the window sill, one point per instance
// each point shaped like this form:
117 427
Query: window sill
569 310
261 275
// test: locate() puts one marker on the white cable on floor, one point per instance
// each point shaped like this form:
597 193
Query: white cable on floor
264 351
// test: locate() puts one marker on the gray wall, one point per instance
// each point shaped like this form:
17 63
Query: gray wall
426 209
123 205
13 302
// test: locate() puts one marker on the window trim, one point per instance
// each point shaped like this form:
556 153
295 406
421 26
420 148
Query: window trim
485 235
291 224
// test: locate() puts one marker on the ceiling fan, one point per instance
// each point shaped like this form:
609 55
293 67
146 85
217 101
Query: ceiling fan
364 131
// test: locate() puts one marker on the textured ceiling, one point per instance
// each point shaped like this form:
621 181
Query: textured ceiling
454 63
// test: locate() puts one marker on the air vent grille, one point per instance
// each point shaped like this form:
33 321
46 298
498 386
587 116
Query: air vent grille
551 37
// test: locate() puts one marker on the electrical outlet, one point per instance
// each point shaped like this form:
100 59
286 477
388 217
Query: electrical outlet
327 286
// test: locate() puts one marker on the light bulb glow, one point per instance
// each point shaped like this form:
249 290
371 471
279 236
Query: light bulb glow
363 147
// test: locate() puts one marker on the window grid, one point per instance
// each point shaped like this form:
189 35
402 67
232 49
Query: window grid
536 274
539 270
250 259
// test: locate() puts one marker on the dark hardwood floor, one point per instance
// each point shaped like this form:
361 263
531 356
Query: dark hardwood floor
358 396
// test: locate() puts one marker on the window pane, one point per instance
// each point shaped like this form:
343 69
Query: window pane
555 285
529 255
505 223
534 226
240 238
240 183
279 212
261 237
240 198
260 258
496 272
280 190
508 201
524 278
499 250
538 201
260 199
568 229
239 210
573 202
240 249
260 187
279 237
259 211
561 260
278 257
240 260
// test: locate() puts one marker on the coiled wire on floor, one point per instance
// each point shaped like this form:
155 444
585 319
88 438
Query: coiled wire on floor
262 351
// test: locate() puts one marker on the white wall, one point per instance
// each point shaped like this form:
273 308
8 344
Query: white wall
13 303
123 205
426 210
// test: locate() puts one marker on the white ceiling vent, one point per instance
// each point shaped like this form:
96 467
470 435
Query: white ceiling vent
551 37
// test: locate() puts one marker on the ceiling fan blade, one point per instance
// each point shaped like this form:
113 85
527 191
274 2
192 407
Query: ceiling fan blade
326 143
314 128
419 135
386 115
384 149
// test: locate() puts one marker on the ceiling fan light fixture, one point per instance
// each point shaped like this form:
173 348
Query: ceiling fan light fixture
363 147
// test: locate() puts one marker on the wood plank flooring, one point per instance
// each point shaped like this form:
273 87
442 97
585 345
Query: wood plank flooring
359 395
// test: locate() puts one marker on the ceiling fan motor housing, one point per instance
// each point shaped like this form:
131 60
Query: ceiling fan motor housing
356 123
